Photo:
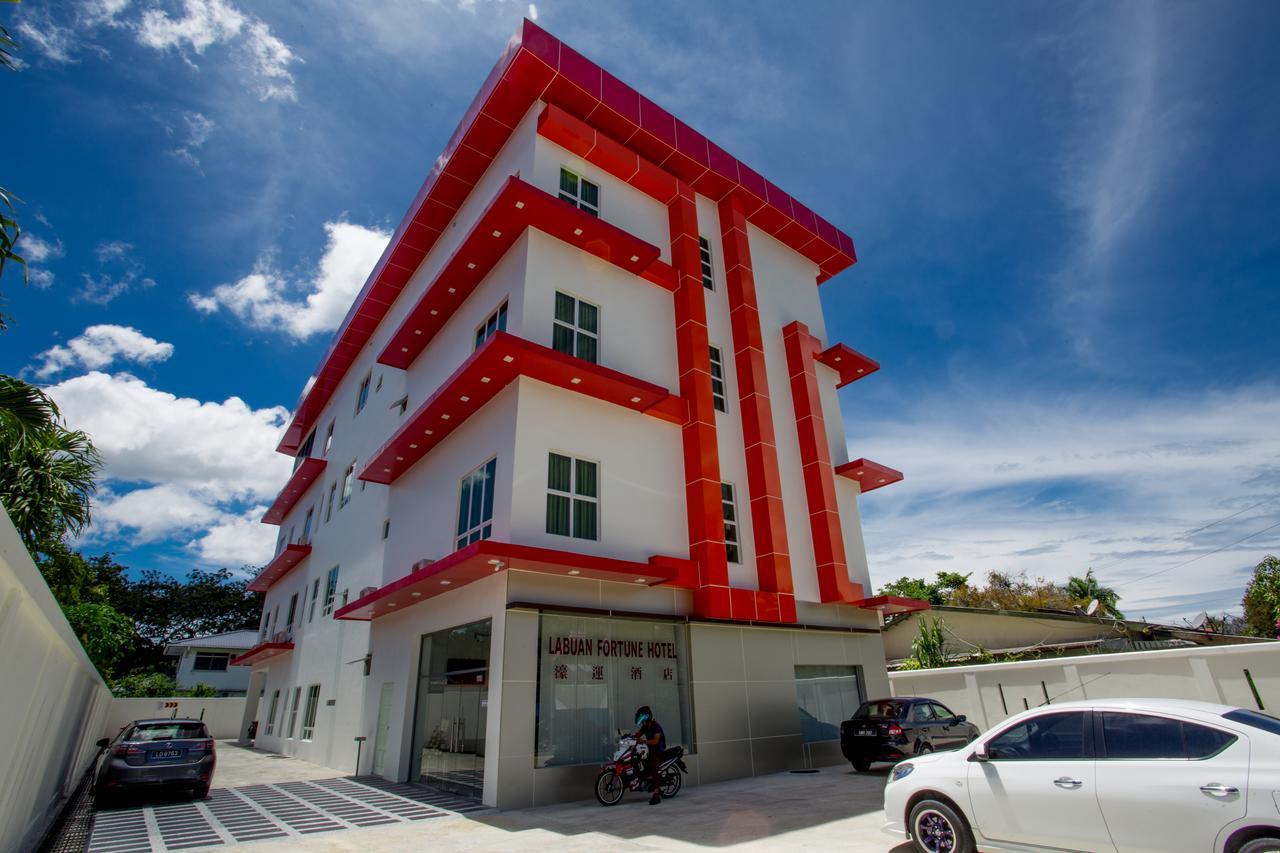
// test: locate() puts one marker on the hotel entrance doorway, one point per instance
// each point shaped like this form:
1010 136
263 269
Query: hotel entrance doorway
452 709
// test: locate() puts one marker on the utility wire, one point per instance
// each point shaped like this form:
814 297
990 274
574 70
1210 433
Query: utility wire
1198 529
1201 557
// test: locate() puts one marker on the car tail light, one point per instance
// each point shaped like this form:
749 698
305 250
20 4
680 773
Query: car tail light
895 730
128 751
201 746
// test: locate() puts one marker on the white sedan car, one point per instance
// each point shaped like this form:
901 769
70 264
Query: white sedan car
1125 776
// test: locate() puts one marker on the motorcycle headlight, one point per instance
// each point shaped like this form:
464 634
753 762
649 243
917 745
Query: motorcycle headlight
901 771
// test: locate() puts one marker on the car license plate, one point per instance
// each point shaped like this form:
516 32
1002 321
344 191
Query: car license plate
866 732
166 753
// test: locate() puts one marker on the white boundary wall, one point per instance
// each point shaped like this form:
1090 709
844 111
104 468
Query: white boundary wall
990 692
221 714
53 703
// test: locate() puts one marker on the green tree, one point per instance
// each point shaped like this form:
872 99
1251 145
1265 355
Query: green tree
930 648
201 691
144 684
935 592
1084 590
1005 591
206 602
1262 599
107 636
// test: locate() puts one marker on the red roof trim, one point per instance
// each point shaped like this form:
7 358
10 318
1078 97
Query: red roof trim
261 652
869 475
848 362
891 604
490 369
304 475
536 65
289 557
516 207
481 559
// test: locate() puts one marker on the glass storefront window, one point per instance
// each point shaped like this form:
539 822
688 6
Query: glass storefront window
827 696
592 675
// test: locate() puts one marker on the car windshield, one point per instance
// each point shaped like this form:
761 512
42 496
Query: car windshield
1266 722
166 731
883 710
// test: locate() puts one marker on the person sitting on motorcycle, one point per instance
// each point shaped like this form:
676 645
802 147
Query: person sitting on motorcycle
649 732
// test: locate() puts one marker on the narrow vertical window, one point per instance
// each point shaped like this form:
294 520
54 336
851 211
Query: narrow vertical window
293 610
306 527
333 494
315 593
348 480
579 192
704 253
330 590
475 505
293 712
328 440
576 328
717 381
362 396
730 524
309 717
573 497
304 451
271 714
386 528
496 322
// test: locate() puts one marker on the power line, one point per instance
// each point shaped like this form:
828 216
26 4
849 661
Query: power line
1201 557
1197 530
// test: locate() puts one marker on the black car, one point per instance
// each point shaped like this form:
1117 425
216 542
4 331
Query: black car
894 729
164 753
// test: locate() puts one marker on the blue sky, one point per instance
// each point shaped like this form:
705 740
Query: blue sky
1065 218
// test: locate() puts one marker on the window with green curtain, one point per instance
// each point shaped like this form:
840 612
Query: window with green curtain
572 497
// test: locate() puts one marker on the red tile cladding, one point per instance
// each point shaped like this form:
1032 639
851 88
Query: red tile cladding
742 605
869 475
768 526
849 363
487 371
481 559
815 459
307 473
712 602
261 652
516 207
288 558
532 62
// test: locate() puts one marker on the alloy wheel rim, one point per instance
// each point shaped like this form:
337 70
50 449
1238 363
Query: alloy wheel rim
935 833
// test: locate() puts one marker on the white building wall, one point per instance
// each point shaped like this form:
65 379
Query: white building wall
235 678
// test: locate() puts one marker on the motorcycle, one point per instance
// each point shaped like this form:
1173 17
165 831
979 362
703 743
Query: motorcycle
625 771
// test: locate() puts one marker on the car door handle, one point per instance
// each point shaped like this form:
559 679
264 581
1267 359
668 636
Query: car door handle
1217 790
1067 782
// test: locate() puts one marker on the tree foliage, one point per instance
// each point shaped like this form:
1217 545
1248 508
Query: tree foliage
1262 599
930 649
1086 590
935 592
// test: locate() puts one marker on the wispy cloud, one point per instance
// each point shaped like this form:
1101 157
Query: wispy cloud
99 346
194 133
123 273
37 251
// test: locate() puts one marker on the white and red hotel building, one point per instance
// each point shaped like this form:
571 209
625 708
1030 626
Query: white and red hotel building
575 448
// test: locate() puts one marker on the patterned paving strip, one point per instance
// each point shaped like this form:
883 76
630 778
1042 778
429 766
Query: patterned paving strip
263 811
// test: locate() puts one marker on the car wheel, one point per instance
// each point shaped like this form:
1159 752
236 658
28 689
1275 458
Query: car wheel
937 828
201 792
926 748
862 765
1261 845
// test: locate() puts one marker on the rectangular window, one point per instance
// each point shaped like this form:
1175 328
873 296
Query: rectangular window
293 609
730 524
573 497
475 504
328 440
211 661
315 593
306 527
362 396
579 192
717 381
266 623
271 715
386 528
348 480
333 495
497 322
330 590
704 254
309 718
402 404
576 328
293 712
827 696
305 450
275 621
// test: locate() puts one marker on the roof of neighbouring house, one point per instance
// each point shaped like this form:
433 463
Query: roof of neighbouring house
227 640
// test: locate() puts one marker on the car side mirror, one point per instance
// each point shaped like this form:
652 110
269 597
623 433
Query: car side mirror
104 743
980 753
960 718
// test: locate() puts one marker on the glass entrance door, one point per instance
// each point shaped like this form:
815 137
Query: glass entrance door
453 705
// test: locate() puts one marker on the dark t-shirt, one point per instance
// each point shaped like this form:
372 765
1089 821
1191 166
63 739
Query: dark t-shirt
651 729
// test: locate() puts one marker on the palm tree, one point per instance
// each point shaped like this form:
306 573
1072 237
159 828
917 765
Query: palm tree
1086 589
46 470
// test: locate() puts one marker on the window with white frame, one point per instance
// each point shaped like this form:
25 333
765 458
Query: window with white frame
293 712
293 609
348 481
330 590
576 328
475 505
309 718
362 396
333 494
271 715
704 254
573 497
306 527
211 661
305 450
496 322
266 623
717 381
315 593
730 523
328 440
579 192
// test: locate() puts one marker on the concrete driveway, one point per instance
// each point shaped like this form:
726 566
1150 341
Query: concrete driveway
269 804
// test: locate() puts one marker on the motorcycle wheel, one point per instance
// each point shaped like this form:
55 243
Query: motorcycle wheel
670 782
609 788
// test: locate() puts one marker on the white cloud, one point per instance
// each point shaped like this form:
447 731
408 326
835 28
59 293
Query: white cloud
176 467
1056 486
265 298
101 345
198 128
36 250
125 273
102 12
37 29
41 279
204 23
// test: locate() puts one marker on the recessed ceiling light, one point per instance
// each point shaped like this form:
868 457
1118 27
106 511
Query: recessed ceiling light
404 349
413 447
388 470
859 369
434 312
399 458
417 331
453 290
391 604
417 595
639 580
465 398
497 233
444 417
837 358
471 266
445 583
577 232
426 432
882 481
508 359
519 205
576 381
635 399
574 572
484 379
635 258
